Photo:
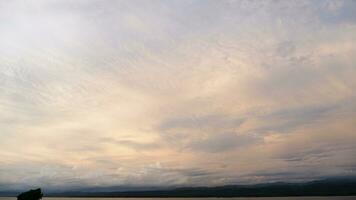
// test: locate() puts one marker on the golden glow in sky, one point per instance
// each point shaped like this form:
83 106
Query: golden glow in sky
102 93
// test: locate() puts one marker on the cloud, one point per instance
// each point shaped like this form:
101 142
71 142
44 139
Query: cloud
199 122
220 142
175 93
132 144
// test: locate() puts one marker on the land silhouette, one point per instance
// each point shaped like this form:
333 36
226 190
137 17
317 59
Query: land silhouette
31 195
345 186
325 187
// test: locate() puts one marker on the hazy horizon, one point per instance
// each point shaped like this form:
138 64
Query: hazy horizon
163 93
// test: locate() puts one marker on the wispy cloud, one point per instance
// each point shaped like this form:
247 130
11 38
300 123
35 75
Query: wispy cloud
175 92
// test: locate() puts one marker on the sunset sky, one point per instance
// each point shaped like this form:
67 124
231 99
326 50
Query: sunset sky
176 93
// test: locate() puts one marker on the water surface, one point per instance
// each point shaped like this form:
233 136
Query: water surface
233 198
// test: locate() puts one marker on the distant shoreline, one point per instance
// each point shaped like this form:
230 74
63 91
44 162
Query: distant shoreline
327 187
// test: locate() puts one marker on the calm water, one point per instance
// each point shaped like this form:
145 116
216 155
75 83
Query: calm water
260 198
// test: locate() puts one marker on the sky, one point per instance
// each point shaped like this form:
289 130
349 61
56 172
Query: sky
176 93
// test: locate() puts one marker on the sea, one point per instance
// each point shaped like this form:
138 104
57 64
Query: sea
232 198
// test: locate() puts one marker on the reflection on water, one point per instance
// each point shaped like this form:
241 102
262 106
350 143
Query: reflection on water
237 198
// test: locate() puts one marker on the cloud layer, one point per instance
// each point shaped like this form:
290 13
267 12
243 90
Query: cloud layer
102 93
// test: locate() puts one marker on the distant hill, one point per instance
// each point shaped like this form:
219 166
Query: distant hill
327 187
